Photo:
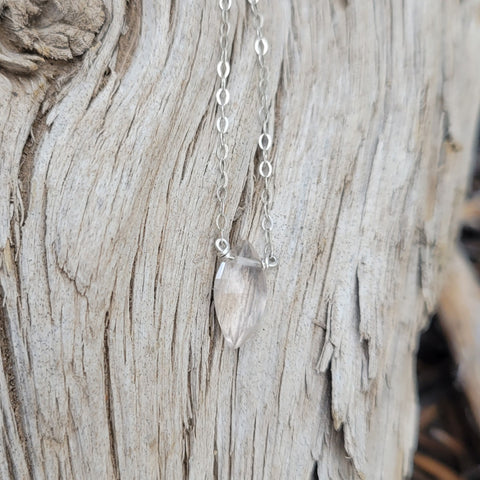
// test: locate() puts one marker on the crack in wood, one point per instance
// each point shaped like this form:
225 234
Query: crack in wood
194 142
8 363
109 399
190 424
254 433
8 454
174 332
128 41
25 172
171 16
216 472
364 340
334 236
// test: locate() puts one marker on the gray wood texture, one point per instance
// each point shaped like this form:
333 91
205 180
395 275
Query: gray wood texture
113 365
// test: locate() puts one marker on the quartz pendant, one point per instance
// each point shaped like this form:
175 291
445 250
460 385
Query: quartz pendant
240 294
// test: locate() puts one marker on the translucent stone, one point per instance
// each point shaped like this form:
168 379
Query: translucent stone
240 294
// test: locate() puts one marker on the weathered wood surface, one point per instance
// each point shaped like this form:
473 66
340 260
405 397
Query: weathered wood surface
112 363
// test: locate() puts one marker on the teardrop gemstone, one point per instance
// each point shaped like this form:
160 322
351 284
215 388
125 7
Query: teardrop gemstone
240 294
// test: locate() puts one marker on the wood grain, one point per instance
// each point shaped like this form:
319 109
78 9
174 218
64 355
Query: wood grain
113 365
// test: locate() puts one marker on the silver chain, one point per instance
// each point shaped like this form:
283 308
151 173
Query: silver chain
221 151
265 167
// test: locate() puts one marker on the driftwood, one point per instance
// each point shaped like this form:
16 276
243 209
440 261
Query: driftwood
459 309
112 363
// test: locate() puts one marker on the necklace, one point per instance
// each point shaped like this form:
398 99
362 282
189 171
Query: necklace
240 289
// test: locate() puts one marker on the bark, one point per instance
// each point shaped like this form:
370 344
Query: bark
113 365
